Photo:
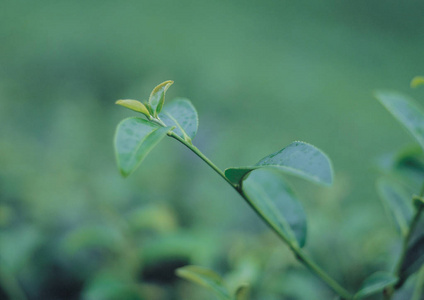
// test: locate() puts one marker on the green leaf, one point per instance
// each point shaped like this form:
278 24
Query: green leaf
135 106
111 286
418 202
242 292
298 158
406 112
206 278
375 283
271 197
417 81
134 138
157 97
397 202
414 259
181 114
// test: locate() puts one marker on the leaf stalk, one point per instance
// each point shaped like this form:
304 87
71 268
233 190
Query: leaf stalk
300 255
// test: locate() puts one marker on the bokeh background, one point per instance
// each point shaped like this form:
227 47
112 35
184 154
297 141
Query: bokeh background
261 75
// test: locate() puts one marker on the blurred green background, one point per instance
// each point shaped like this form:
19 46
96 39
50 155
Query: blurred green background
261 75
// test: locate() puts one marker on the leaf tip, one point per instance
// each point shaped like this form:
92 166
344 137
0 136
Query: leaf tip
134 105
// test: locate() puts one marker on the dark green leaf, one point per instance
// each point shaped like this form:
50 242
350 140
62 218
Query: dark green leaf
298 158
376 283
418 202
406 112
134 139
205 278
274 200
414 259
157 97
181 114
397 202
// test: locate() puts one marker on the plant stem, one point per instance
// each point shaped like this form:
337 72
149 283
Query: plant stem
414 223
335 286
407 239
300 255
391 289
202 156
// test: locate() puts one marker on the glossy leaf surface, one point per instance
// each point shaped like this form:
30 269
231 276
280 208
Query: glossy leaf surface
274 200
206 278
157 97
181 114
397 202
406 112
298 158
135 106
134 139
376 283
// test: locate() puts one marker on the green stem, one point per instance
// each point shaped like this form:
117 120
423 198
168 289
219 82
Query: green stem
407 239
390 290
302 257
203 157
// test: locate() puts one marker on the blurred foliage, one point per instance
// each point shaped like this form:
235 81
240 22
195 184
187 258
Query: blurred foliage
261 75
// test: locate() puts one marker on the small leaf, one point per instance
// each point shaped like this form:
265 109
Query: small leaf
417 81
406 112
375 283
135 106
134 139
270 196
242 292
205 278
182 114
157 97
298 158
397 203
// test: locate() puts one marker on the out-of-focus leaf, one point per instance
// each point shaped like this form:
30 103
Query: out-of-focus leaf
272 198
419 286
181 114
135 106
414 259
405 111
18 245
374 284
417 81
107 285
157 97
397 202
242 292
134 139
406 166
298 158
418 202
157 217
205 278
89 236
